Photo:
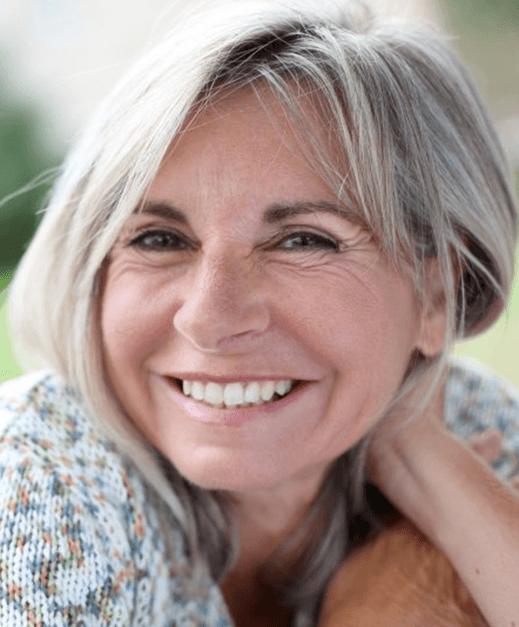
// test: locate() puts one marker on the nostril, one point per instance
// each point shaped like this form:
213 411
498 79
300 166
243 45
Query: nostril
212 327
222 342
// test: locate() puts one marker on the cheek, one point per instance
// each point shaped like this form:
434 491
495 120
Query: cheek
363 331
358 314
133 321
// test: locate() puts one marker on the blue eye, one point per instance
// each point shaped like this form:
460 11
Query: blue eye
159 241
308 241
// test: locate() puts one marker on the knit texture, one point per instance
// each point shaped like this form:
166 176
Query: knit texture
80 536
477 399
81 542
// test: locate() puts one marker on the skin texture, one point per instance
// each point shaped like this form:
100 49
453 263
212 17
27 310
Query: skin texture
236 297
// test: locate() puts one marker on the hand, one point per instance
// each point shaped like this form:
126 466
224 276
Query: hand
397 433
401 579
444 487
487 445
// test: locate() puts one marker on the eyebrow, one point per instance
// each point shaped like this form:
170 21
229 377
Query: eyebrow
276 212
281 211
163 210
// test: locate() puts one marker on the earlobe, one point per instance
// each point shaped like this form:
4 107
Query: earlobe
433 325
432 332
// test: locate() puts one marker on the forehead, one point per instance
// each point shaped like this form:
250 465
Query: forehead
242 139
257 108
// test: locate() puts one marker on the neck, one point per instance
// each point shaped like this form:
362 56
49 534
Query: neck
266 518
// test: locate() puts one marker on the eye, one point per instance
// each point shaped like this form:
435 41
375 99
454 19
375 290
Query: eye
306 240
158 240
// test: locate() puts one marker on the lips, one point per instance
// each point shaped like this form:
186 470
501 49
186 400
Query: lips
232 415
235 394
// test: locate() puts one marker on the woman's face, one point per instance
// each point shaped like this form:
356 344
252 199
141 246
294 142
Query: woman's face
241 274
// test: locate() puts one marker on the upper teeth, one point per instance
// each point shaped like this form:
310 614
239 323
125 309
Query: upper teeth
236 393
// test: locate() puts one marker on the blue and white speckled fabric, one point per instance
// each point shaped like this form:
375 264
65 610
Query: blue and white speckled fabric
477 399
80 536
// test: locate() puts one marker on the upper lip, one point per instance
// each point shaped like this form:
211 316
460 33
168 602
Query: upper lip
202 376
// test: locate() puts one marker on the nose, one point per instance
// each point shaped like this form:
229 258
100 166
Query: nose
223 308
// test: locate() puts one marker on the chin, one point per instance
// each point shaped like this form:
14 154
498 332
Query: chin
237 476
213 469
223 482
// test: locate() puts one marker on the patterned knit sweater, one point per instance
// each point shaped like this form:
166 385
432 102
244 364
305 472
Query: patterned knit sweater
80 534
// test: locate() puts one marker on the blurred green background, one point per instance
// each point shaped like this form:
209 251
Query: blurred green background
25 159
487 36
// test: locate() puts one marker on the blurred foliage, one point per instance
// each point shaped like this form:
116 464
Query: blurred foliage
23 158
485 12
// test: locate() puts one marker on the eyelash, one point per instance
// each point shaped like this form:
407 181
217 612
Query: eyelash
167 237
169 240
320 241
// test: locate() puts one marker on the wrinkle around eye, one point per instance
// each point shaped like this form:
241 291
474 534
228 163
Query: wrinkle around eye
319 261
323 245
353 261
124 259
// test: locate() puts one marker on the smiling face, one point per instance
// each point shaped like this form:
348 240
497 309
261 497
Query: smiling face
243 283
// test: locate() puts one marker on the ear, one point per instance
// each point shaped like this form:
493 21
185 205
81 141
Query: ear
433 324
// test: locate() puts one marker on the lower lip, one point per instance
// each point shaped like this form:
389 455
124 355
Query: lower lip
228 417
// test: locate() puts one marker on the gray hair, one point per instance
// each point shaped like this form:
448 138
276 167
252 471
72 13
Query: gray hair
416 155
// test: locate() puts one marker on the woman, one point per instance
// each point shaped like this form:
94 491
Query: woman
247 285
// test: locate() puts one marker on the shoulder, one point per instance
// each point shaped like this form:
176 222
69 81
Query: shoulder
64 540
44 427
82 536
476 399
39 404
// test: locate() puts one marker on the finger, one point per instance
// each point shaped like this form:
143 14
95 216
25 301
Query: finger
515 484
487 444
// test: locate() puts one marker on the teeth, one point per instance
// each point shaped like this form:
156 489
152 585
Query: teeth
234 394
213 393
267 390
252 392
197 390
282 387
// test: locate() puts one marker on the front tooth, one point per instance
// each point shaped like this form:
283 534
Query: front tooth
267 390
197 390
233 394
213 393
186 387
252 393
